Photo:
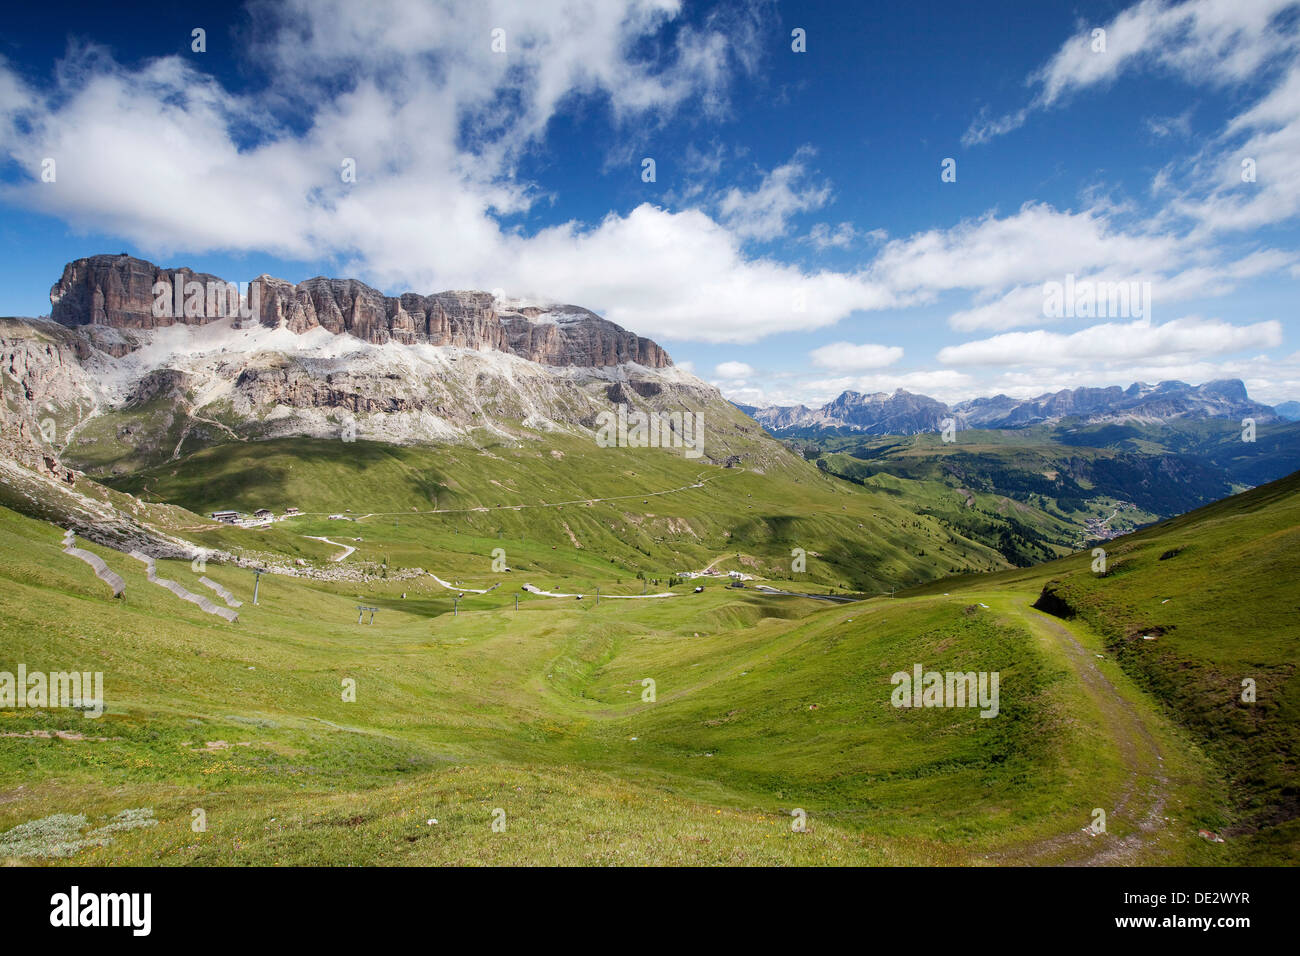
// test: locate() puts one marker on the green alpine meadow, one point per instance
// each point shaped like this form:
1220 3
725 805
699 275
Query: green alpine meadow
645 716
605 443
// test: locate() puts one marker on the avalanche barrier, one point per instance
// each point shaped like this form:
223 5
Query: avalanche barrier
203 603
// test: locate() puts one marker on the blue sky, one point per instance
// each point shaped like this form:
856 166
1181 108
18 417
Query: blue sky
797 238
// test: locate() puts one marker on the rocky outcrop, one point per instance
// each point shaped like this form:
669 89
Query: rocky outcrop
162 383
116 292
564 335
294 385
1051 601
45 392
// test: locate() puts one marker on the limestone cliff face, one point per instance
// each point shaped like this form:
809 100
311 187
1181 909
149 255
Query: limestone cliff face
46 392
117 292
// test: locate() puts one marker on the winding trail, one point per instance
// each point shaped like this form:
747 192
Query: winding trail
1145 794
347 548
453 587
535 590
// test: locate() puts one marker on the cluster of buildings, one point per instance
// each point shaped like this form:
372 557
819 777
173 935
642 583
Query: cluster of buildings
261 516
710 573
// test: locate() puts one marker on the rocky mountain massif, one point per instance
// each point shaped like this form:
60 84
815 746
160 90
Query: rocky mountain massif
904 413
122 377
117 292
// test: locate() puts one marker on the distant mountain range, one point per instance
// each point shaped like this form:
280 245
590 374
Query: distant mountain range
905 413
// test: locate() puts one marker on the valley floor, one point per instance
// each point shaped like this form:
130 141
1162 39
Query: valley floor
701 729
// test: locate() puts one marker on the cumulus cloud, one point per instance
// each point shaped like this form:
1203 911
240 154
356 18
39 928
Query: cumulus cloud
733 370
1035 243
1179 340
823 236
434 121
847 357
765 212
164 156
682 275
1023 305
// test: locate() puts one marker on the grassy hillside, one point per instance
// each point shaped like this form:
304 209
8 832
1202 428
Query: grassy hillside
563 504
690 728
1275 452
1192 608
763 706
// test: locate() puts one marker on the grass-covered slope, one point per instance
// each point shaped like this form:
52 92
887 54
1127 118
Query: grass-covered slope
762 706
1198 609
562 502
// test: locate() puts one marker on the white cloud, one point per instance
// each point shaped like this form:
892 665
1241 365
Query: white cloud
679 275
1208 41
1267 136
1024 304
166 158
1267 380
1037 243
984 128
764 213
937 383
1177 341
847 357
733 370
1217 42
823 237
1165 126
1233 44
947 385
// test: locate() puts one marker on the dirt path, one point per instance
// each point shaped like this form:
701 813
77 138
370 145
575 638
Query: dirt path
455 587
347 548
627 597
1142 800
